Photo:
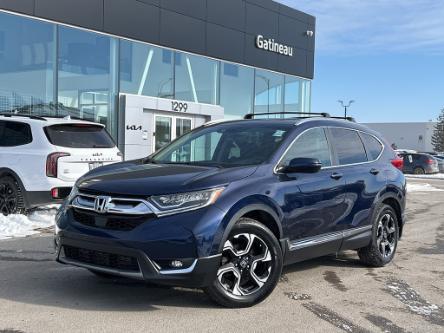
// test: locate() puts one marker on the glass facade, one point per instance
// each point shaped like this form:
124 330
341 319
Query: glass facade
48 68
26 64
236 90
85 75
269 92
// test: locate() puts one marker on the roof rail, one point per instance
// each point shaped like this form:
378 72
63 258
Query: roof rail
8 114
345 118
301 114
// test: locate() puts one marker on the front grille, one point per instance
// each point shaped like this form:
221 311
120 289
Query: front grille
120 223
102 259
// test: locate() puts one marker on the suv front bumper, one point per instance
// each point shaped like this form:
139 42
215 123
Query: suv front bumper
103 255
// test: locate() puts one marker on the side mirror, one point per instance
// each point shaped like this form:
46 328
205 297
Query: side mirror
301 164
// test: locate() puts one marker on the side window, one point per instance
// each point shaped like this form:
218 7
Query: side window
408 159
311 144
348 146
372 146
14 134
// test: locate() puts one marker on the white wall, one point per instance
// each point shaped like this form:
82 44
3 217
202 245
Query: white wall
416 136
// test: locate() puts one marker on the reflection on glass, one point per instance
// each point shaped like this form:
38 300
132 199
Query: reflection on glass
146 70
236 90
26 65
196 78
183 125
163 131
86 74
297 94
268 92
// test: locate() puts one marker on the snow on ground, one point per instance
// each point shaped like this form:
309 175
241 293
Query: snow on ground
422 188
434 176
21 225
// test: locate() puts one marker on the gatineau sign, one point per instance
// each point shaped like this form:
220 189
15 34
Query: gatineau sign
269 44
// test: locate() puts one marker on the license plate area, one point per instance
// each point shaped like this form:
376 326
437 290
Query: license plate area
95 165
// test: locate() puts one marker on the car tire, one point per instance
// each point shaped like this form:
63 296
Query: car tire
11 197
250 267
385 236
419 171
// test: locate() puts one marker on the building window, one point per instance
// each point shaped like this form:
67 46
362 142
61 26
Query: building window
86 76
146 70
269 92
196 79
297 94
236 90
26 65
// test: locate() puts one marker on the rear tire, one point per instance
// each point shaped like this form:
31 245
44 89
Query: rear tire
250 267
419 171
11 197
385 235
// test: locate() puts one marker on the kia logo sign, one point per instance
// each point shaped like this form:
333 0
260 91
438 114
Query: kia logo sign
268 44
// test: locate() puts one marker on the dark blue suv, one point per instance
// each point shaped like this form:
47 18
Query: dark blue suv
227 205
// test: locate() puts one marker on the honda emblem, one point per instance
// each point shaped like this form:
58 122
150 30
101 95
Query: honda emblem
101 204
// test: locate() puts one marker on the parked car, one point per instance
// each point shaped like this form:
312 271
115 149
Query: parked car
227 205
440 160
42 157
419 163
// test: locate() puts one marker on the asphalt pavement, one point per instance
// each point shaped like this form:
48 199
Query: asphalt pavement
329 294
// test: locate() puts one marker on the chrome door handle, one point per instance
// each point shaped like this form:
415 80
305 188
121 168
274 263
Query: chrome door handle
336 175
374 171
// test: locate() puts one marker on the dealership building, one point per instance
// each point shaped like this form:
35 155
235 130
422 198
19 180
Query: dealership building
151 70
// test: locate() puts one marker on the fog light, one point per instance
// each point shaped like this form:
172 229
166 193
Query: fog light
176 264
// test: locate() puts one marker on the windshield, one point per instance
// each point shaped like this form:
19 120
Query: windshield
225 145
79 136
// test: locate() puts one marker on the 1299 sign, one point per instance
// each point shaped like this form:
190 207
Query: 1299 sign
179 106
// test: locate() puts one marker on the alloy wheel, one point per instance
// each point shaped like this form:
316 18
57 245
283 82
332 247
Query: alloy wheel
386 235
8 199
246 264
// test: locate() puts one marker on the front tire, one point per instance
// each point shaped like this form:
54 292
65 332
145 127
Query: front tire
250 267
11 197
385 237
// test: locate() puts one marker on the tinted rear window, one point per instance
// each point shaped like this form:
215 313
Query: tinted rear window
372 145
348 146
79 136
14 134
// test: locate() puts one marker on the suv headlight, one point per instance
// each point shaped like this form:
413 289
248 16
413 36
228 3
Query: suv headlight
181 202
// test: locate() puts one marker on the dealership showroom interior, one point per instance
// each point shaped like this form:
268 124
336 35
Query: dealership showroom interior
220 165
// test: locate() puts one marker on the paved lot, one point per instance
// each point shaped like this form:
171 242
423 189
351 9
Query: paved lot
323 295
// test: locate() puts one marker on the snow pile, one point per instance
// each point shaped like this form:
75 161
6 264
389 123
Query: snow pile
422 188
20 225
434 176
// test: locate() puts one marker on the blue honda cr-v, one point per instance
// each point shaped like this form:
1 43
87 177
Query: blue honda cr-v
225 206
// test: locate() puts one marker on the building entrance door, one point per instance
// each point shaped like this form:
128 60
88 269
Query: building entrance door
150 123
169 127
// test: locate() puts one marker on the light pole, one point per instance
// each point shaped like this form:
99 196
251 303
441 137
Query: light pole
346 106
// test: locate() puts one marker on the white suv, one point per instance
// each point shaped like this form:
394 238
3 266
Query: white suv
42 157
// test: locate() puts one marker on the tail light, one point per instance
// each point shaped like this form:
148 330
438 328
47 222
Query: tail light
52 163
55 193
430 161
398 162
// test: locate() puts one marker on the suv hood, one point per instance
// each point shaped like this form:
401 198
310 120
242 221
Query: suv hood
137 179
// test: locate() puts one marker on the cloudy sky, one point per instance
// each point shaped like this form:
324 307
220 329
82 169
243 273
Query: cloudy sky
388 55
